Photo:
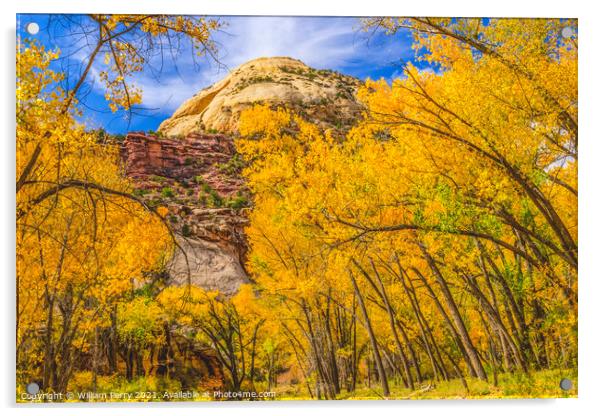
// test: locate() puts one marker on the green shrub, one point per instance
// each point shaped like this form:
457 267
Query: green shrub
233 166
155 202
158 178
140 192
154 133
237 202
167 192
206 188
214 200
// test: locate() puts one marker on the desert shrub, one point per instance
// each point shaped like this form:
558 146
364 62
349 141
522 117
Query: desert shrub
140 192
237 202
233 166
158 178
167 192
213 199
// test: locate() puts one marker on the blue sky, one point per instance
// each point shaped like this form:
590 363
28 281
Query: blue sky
321 42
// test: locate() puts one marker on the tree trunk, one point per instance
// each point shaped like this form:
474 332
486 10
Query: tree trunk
377 357
457 318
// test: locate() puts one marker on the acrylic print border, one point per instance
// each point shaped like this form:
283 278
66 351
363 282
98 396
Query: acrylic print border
441 300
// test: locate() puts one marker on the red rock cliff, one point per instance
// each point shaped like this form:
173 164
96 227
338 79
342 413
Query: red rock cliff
198 179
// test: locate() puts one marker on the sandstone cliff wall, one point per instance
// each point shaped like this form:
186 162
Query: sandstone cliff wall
195 179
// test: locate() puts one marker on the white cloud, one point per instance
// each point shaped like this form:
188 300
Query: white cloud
324 42
166 93
315 41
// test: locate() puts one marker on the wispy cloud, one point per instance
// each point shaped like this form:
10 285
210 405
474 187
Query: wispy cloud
318 42
322 42
166 93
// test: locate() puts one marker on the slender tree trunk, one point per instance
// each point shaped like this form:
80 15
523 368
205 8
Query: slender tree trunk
499 325
520 331
377 357
334 370
355 360
329 393
406 376
415 360
417 316
446 318
457 318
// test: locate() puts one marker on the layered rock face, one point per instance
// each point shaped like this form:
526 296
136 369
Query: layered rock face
323 96
182 160
198 179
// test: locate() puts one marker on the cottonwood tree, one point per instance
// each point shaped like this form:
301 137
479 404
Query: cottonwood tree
83 240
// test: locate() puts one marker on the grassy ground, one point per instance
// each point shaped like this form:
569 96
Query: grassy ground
541 384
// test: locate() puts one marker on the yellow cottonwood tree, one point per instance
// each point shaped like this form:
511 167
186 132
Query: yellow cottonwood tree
81 243
84 243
